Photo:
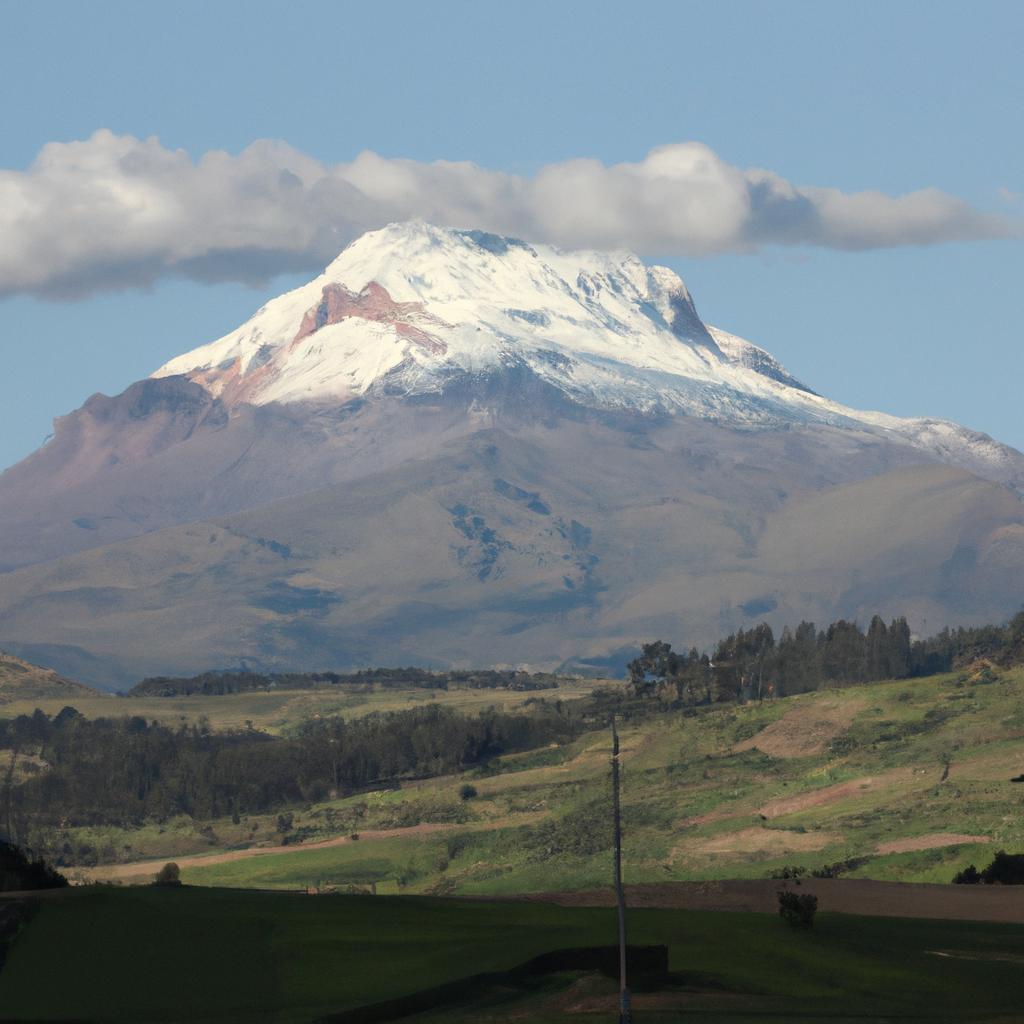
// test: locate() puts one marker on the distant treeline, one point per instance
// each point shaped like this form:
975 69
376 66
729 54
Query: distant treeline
751 664
125 771
220 683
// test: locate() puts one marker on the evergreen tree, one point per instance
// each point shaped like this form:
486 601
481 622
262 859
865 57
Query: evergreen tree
898 662
878 652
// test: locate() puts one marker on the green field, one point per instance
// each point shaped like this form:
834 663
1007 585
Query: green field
214 955
276 711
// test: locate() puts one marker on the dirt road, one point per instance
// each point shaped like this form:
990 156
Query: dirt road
842 895
145 870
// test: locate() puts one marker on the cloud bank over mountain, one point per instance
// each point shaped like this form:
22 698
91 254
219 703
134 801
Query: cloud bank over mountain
114 211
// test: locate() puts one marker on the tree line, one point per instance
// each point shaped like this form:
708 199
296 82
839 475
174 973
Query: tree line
752 664
241 681
125 771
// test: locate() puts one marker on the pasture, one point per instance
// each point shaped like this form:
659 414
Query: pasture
276 711
210 955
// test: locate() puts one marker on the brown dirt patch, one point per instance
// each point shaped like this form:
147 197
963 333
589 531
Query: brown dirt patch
840 895
805 731
930 842
718 814
831 794
760 840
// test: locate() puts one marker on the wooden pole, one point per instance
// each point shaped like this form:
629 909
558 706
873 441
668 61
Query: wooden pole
625 1013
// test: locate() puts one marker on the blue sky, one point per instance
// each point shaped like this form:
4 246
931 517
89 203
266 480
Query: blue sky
893 98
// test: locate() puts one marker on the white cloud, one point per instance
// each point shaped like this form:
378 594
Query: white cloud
114 211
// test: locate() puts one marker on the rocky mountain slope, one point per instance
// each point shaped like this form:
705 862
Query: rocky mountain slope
455 448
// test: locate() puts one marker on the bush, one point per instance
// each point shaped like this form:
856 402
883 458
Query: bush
467 791
580 833
789 872
1005 869
969 876
840 867
797 909
169 875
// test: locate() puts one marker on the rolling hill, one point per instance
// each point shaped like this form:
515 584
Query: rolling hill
23 682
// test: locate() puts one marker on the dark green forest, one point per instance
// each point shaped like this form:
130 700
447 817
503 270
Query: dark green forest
241 681
751 664
125 771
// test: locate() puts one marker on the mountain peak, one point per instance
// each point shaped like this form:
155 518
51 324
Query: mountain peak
417 309
414 306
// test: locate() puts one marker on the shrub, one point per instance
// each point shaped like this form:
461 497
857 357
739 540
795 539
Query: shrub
1005 869
969 876
840 867
467 791
797 909
457 844
789 871
169 875
580 833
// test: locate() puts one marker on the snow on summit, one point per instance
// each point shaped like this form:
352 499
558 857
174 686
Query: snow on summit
413 308
422 302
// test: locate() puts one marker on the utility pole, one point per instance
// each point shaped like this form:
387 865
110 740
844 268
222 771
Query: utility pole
625 1013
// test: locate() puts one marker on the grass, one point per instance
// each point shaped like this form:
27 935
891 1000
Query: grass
225 955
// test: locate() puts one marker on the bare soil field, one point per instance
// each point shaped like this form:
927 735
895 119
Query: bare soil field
930 842
805 731
831 794
761 840
836 895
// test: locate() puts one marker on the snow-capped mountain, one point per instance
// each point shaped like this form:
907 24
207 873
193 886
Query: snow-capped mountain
458 449
412 309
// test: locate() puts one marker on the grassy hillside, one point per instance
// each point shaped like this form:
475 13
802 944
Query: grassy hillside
901 780
24 685
262 956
